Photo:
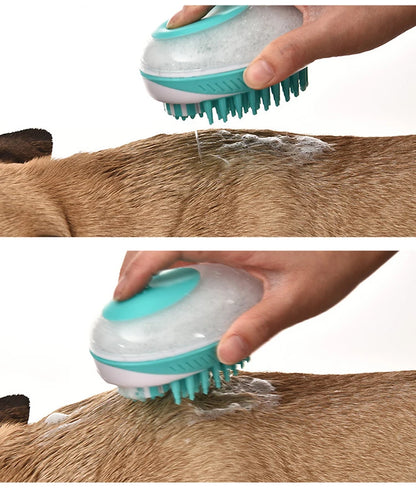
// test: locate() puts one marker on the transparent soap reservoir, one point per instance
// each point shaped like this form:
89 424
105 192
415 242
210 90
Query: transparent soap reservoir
181 310
207 47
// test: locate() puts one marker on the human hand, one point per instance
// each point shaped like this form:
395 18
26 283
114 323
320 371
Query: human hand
326 31
297 285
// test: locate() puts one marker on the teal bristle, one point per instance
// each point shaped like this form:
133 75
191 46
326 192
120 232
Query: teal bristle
192 385
286 87
205 382
175 387
241 103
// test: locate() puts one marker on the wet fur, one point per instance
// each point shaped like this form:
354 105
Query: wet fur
162 186
358 427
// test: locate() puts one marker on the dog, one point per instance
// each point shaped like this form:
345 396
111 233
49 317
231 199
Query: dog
211 183
258 427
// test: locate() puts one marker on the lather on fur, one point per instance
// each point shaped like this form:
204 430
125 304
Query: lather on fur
214 183
259 427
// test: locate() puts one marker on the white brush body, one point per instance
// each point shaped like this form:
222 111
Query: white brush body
175 96
123 377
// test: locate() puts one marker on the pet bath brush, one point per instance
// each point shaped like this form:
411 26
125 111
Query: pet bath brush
199 67
165 338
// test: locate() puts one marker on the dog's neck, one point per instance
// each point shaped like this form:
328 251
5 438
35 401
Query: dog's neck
110 194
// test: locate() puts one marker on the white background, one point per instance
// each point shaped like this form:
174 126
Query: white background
71 67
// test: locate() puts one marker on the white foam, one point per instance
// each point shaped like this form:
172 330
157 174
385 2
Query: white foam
254 386
69 424
56 418
251 393
302 147
214 413
228 46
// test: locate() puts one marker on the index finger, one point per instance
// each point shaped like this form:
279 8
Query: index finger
138 268
188 14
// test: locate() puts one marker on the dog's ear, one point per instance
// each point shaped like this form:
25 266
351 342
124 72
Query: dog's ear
24 145
14 409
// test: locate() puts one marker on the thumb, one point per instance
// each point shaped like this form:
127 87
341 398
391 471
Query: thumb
286 55
254 328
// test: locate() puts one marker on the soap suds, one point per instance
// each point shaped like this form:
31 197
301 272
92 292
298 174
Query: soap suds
69 424
214 413
56 418
261 389
301 147
248 384
51 421
240 394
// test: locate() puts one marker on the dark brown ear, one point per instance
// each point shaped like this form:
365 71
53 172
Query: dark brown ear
24 145
14 409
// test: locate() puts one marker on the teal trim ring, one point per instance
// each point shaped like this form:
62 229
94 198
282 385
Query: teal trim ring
230 82
193 361
218 16
164 290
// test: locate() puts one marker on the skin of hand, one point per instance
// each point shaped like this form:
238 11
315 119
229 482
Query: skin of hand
326 31
297 285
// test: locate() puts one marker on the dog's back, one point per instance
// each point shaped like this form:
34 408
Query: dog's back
218 183
258 427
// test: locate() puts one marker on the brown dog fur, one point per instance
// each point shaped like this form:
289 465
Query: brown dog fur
358 427
180 185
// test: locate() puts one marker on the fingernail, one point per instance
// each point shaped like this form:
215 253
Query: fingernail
118 293
174 20
232 350
259 74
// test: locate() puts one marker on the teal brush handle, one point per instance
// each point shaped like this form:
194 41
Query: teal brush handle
161 292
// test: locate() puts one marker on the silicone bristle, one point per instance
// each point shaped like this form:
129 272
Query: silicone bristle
205 382
175 386
216 375
303 79
238 104
286 89
265 96
190 387
186 387
207 109
276 93
225 372
222 108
